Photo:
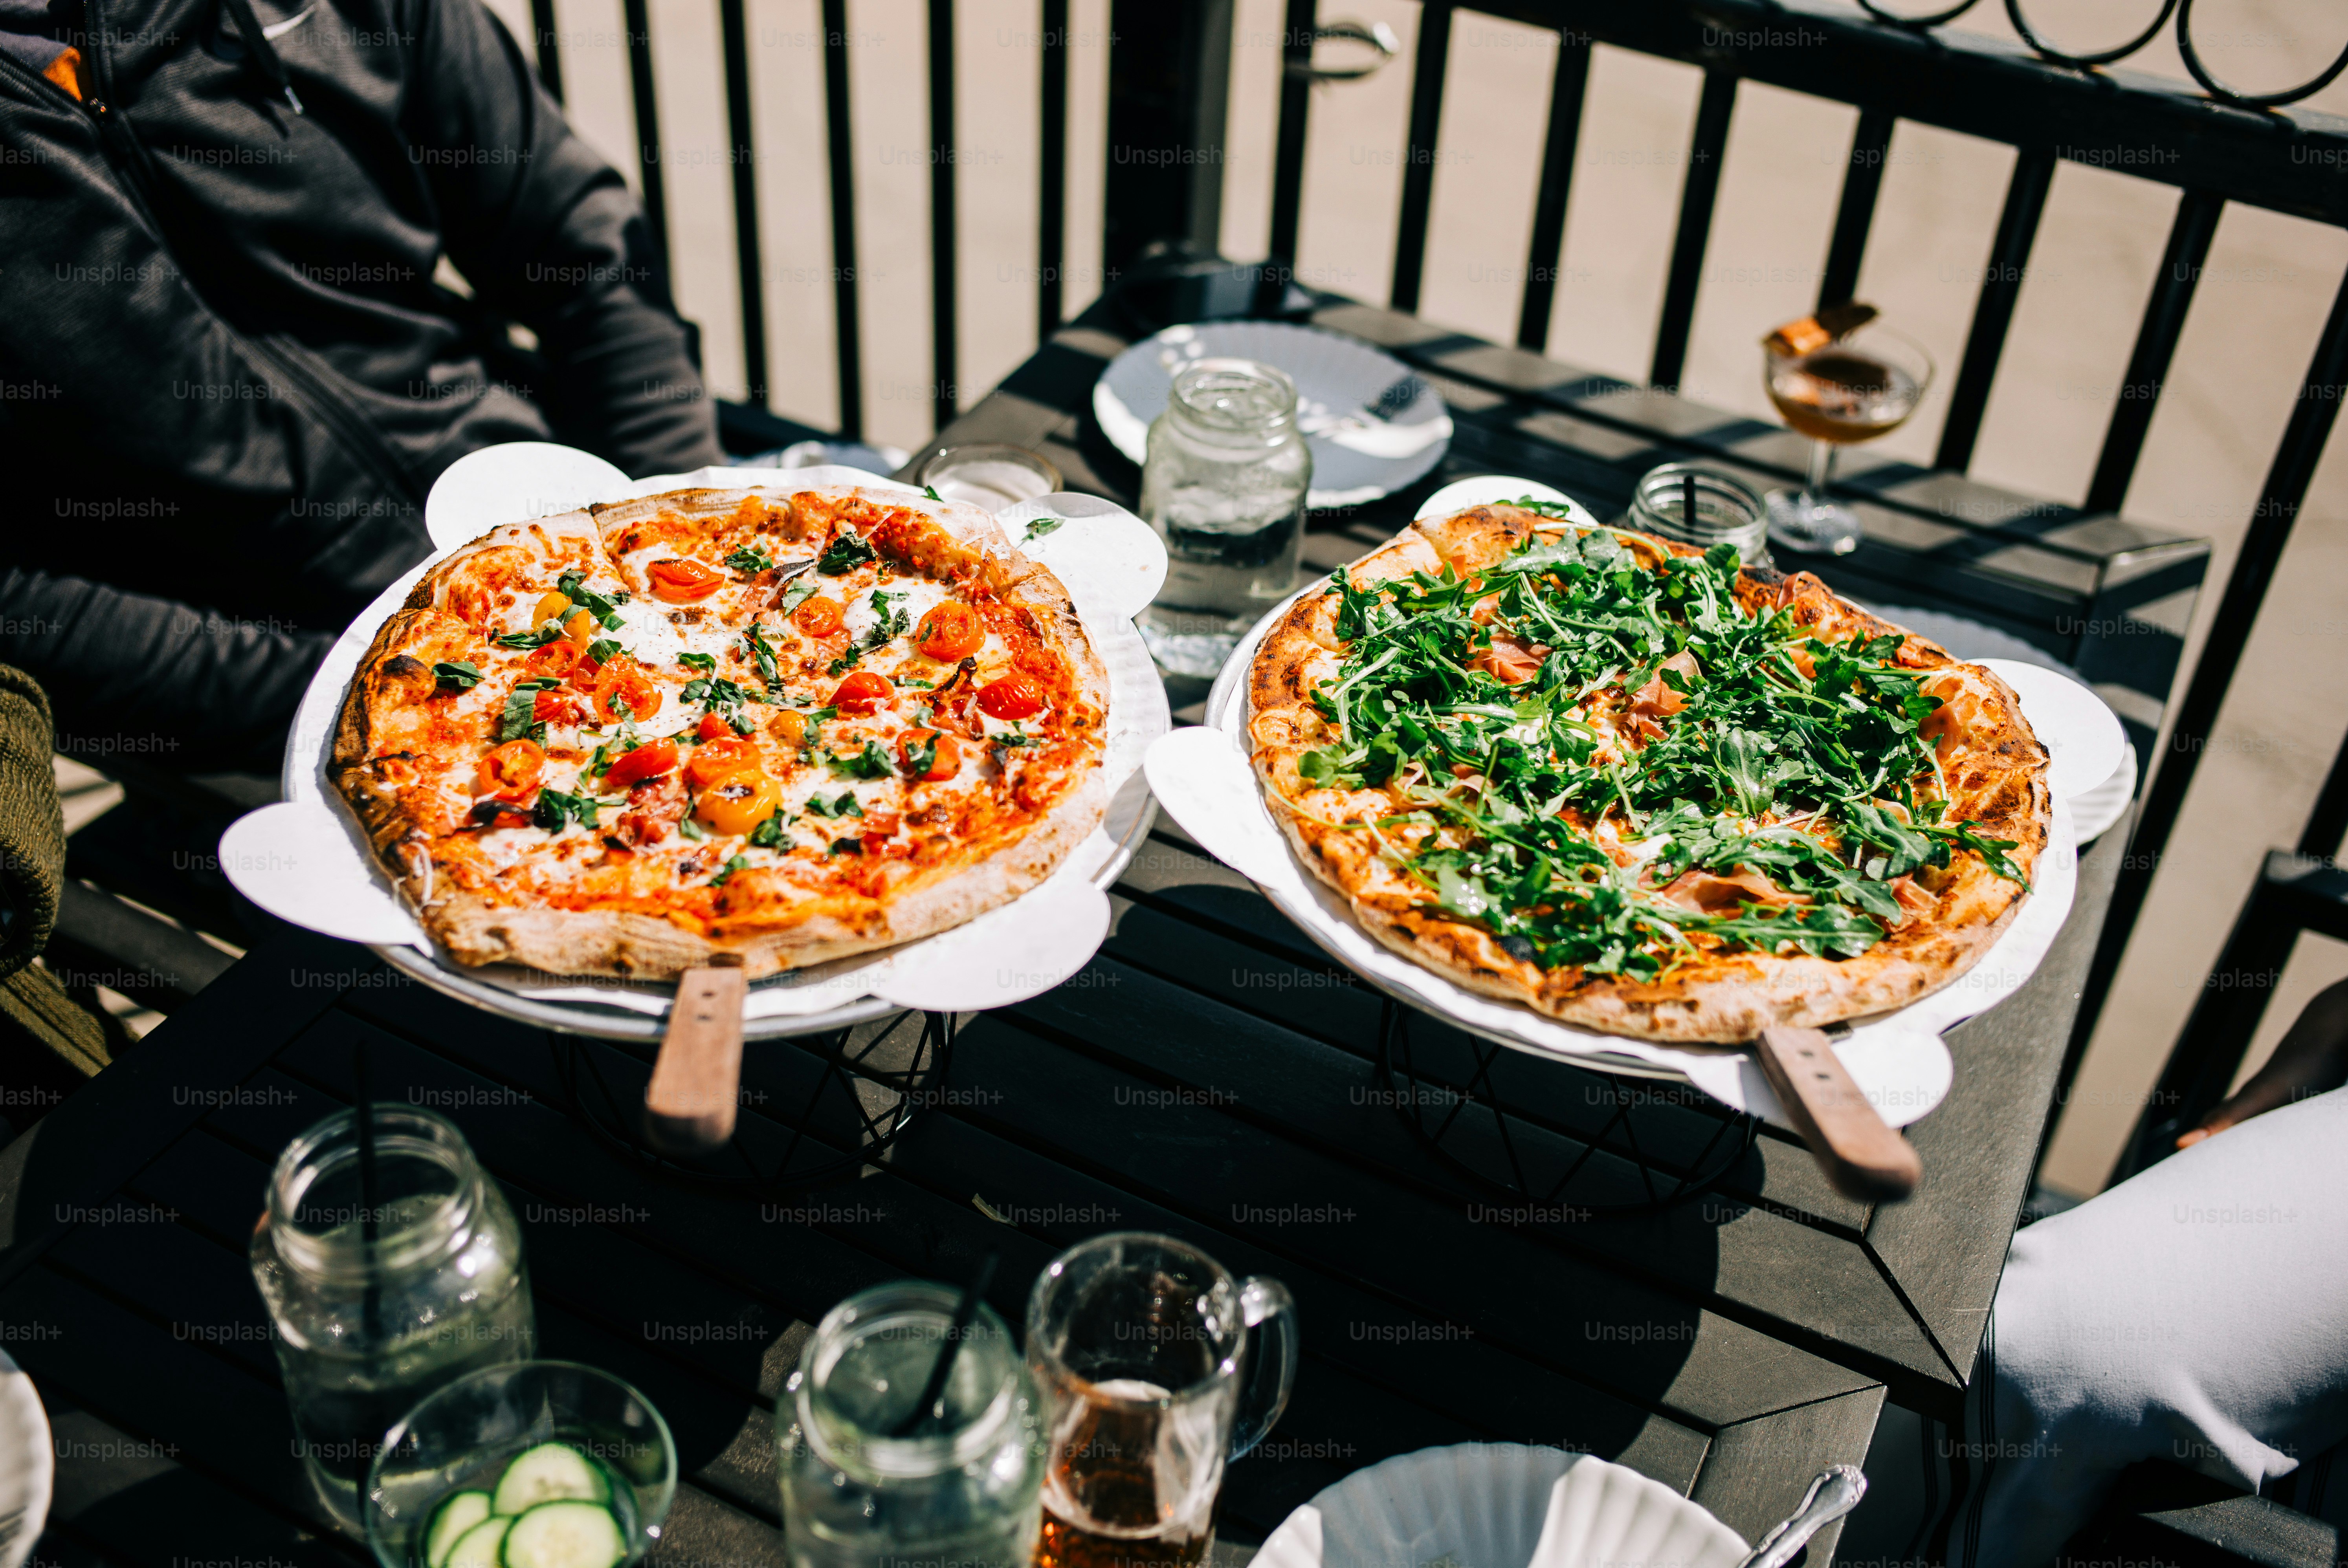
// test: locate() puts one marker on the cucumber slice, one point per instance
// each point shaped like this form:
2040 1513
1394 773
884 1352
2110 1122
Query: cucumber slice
566 1535
551 1472
478 1547
460 1513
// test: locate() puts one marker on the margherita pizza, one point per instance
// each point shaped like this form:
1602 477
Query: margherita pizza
1642 788
626 740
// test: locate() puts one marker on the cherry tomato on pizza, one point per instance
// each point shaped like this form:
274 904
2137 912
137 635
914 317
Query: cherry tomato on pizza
681 581
863 693
951 631
1015 696
739 802
621 681
927 754
512 770
819 616
715 760
713 727
556 660
556 707
647 761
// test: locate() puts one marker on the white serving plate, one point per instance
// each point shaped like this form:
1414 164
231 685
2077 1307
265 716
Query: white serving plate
1500 1505
1204 777
1355 458
27 1465
306 859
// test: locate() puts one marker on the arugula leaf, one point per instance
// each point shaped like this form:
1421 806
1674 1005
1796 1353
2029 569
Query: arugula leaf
1323 770
844 555
1992 850
459 676
604 649
739 863
1040 526
689 828
751 561
846 805
931 491
847 847
549 632
769 834
722 697
706 663
554 808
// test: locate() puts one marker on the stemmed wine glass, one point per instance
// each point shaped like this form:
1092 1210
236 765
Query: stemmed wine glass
1851 388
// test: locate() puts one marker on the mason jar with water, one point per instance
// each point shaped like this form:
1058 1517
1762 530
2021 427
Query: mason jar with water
872 1479
1223 483
391 1266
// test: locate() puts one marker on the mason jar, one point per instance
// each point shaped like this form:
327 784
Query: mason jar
1223 483
961 1490
364 1331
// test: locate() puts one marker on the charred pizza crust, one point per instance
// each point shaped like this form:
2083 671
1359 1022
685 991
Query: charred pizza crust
1995 766
566 904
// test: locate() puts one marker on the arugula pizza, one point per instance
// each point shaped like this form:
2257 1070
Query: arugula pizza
787 727
1642 788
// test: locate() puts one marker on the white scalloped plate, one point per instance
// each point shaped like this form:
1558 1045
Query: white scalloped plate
27 1464
1500 1505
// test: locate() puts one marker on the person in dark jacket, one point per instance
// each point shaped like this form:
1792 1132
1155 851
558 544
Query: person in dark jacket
228 375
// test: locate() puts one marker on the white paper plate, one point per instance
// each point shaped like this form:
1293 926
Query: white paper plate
1898 1059
1355 457
306 859
27 1465
1500 1505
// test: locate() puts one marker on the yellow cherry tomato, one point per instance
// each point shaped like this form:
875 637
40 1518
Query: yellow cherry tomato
580 626
739 802
551 606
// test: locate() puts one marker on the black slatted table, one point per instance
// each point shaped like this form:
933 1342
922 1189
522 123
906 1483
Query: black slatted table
1208 1074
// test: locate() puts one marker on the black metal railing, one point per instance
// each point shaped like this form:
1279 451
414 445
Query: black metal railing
1169 80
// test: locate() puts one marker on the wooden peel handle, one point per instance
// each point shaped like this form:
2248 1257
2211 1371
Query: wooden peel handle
1862 1156
690 1103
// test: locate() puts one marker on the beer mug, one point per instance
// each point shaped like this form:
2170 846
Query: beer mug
1151 1383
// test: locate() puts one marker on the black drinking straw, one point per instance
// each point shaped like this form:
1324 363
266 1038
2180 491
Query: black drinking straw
364 1110
930 1404
1687 507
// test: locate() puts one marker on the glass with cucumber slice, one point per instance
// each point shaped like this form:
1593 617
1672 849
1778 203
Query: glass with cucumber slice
543 1465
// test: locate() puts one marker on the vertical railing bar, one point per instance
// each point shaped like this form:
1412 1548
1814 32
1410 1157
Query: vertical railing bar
1862 181
1052 155
733 25
1295 106
1418 153
637 19
941 210
2221 652
847 336
2327 824
547 47
2156 343
2008 256
1567 89
1712 111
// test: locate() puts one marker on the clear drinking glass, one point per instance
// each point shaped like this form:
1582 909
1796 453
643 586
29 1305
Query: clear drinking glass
365 1332
1855 388
1151 1384
462 1437
1223 484
958 1492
